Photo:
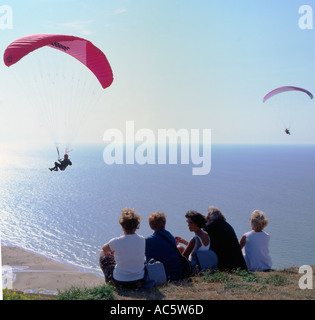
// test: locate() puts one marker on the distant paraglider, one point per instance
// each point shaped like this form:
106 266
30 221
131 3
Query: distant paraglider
285 89
63 164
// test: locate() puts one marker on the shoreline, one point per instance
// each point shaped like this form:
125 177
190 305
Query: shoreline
33 273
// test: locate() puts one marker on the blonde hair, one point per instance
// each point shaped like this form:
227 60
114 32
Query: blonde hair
157 221
129 220
259 220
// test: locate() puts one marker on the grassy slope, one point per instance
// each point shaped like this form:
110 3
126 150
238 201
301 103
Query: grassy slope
275 285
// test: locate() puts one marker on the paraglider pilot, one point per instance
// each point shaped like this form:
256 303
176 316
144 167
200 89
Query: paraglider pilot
62 165
287 131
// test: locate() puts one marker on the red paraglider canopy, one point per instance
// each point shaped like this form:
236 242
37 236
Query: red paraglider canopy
81 49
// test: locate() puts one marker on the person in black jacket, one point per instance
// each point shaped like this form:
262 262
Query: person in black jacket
223 241
62 165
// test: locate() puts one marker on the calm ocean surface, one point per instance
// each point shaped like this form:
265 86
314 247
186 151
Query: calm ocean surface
69 215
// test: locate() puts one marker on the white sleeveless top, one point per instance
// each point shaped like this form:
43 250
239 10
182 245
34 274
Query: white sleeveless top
256 251
202 247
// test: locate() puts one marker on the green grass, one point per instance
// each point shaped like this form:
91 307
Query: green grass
216 277
239 284
277 280
244 280
103 292
17 295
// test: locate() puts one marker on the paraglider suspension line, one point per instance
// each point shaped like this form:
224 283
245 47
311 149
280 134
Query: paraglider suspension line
58 152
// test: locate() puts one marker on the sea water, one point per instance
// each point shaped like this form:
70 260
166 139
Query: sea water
68 216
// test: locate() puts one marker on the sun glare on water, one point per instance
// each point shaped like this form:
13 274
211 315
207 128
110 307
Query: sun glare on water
11 156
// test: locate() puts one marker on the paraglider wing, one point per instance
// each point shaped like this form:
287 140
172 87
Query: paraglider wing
79 48
284 89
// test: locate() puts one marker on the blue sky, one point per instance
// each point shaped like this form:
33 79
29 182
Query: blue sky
202 64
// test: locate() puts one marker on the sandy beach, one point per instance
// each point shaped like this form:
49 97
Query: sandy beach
35 273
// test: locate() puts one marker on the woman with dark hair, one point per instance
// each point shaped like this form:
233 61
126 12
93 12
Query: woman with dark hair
196 221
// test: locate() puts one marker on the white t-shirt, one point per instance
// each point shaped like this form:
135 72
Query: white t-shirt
256 251
129 256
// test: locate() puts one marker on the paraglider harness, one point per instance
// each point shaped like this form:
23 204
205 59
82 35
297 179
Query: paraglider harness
63 163
61 167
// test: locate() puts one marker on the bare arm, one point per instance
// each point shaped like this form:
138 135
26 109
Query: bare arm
181 240
106 249
243 241
189 248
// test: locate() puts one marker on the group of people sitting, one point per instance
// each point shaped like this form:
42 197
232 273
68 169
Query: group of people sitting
122 258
